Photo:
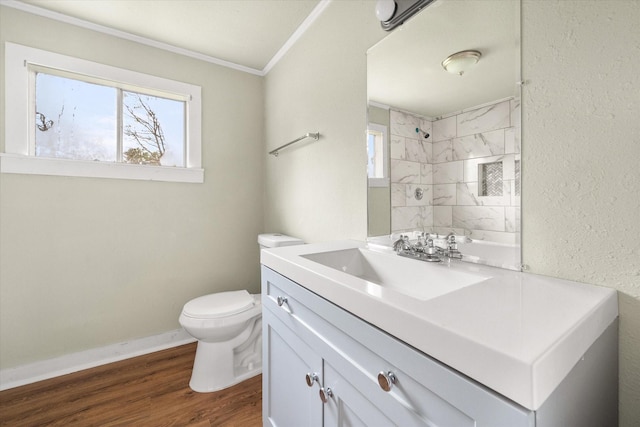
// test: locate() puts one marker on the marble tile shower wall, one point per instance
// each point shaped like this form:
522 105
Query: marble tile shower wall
445 168
411 156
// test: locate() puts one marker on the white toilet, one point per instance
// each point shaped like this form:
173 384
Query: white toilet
228 327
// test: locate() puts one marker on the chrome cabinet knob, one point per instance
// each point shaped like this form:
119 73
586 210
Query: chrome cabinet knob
311 378
386 380
325 394
281 300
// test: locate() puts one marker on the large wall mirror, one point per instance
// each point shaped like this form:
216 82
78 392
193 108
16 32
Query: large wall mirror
444 145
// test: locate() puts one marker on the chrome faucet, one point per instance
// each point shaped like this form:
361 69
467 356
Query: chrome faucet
452 247
402 244
425 250
431 252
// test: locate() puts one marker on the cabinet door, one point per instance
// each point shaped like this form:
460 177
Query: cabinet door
287 399
348 407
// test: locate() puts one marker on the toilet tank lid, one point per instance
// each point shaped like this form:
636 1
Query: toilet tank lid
274 240
219 305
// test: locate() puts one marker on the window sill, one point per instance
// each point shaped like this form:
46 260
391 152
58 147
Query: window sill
12 163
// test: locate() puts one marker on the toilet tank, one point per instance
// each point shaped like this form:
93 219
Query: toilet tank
275 240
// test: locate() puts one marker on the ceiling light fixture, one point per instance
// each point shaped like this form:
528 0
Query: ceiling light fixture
460 62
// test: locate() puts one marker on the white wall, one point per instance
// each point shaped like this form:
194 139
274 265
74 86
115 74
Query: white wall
581 157
580 146
89 262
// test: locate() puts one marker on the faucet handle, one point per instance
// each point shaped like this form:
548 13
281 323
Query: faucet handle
406 245
402 244
430 249
452 247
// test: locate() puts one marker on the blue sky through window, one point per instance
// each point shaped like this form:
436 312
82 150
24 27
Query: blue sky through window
78 120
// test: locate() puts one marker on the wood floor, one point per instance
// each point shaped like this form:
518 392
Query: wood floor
151 390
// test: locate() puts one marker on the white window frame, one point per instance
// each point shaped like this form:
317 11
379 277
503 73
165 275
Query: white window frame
20 137
384 181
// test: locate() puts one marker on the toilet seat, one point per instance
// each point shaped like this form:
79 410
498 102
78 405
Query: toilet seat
221 304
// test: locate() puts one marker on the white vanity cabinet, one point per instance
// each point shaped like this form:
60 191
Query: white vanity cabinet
304 334
290 401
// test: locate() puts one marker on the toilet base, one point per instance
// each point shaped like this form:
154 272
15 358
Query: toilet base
221 365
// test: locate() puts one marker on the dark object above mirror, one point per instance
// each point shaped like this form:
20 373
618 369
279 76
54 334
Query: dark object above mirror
392 13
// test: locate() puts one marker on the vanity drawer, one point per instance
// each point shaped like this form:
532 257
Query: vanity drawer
407 402
426 392
282 298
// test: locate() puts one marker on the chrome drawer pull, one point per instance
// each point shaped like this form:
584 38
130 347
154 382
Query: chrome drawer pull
282 300
386 380
325 394
311 378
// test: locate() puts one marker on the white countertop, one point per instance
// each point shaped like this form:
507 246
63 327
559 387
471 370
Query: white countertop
517 333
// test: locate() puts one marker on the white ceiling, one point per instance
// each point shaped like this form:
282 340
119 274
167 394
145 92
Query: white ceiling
404 70
244 32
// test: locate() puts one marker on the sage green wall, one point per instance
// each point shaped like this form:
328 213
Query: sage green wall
379 198
581 183
89 262
317 190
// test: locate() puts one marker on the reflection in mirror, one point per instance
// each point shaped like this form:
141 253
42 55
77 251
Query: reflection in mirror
377 169
453 135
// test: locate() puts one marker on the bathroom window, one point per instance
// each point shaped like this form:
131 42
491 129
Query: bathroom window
377 156
89 119
80 120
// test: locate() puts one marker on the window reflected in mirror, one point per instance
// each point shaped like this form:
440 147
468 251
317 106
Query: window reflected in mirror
377 157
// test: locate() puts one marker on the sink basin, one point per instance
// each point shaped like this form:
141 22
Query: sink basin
410 277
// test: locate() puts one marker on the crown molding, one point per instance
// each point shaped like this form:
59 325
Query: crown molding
35 10
297 34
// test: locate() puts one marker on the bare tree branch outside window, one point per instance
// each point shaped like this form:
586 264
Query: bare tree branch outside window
145 130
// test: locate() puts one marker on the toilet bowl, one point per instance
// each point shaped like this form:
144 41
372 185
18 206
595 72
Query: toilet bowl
228 327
